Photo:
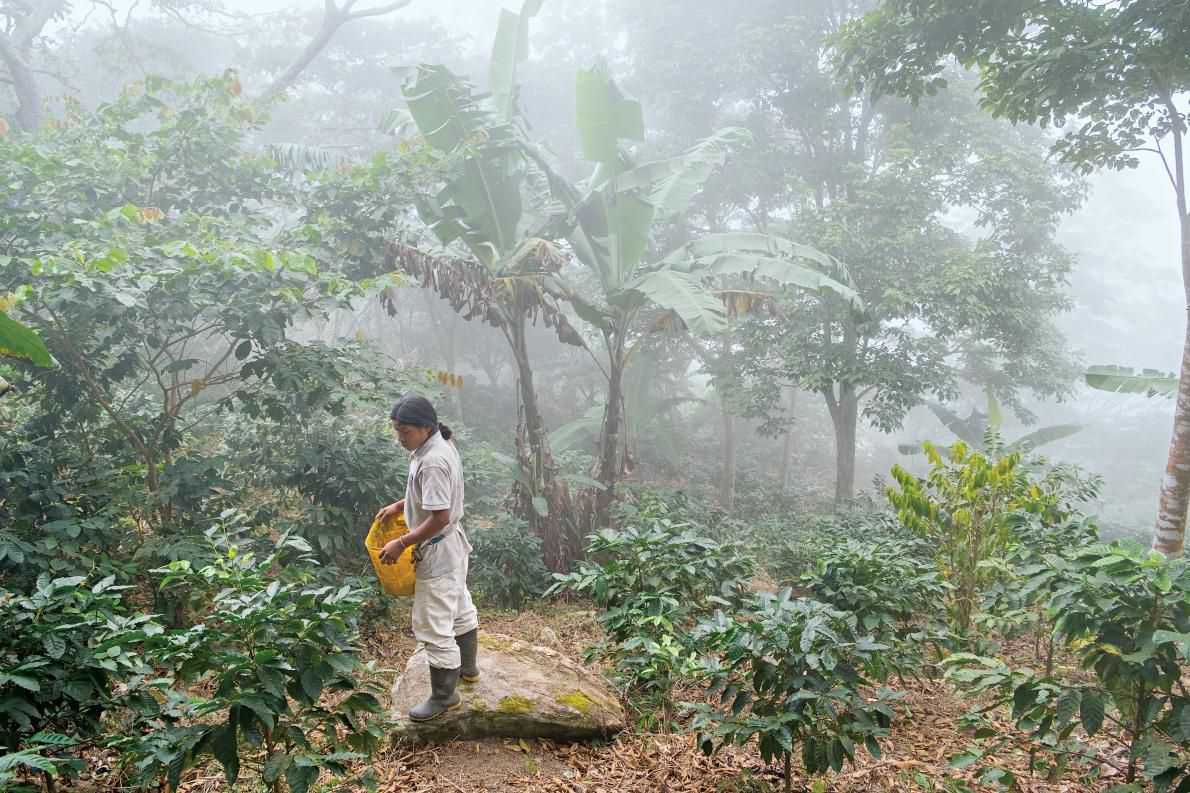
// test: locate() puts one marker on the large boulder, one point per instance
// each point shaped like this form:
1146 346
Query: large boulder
524 691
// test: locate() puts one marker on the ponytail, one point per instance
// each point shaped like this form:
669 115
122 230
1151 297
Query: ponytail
445 431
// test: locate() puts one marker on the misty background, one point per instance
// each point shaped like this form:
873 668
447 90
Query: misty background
1125 287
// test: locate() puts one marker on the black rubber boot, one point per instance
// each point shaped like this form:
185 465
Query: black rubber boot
442 695
468 649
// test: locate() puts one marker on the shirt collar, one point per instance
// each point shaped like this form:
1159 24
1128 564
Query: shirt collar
422 450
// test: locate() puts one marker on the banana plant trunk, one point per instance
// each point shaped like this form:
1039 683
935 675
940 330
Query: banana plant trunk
609 435
559 544
1170 535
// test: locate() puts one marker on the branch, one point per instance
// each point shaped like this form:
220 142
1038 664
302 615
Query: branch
1178 127
333 18
1164 161
97 392
29 27
375 12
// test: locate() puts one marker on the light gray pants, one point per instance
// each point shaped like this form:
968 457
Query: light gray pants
442 610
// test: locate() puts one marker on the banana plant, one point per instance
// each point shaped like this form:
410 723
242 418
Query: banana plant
979 426
610 221
490 205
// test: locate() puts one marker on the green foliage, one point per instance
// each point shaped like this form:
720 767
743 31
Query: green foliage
66 509
978 427
35 758
791 673
506 565
1125 380
895 595
278 653
18 341
341 468
654 580
1115 67
1125 612
1018 598
800 537
142 249
149 249
63 648
961 510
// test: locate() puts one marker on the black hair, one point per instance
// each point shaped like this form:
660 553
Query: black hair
417 410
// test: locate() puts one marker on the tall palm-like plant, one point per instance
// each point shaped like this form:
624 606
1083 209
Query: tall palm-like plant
612 217
974 430
495 203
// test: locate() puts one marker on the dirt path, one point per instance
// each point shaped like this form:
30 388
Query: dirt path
925 736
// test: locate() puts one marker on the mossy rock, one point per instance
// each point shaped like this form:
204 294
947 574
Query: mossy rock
524 691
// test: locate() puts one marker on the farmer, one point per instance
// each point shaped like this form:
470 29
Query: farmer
445 622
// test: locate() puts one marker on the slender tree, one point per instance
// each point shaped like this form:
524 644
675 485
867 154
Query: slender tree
1113 76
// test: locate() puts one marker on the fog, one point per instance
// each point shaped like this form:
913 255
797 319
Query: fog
1124 286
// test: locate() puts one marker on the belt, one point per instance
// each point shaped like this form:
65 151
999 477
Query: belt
437 538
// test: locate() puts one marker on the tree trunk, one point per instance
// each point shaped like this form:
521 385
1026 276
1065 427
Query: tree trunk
787 446
15 49
330 25
844 415
609 435
559 545
727 482
24 83
1170 535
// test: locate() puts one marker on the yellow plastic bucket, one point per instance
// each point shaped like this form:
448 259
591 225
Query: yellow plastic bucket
395 579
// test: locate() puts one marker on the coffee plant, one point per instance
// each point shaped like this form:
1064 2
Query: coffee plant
506 565
894 595
653 583
289 696
1125 612
64 648
961 509
791 673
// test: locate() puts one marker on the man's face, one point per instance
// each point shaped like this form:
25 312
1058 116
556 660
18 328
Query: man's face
410 436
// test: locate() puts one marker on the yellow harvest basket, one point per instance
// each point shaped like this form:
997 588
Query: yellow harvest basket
395 579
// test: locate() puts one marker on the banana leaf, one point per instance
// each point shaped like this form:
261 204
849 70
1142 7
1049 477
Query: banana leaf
18 341
1126 380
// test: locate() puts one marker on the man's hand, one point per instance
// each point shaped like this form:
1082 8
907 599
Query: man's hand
392 551
394 508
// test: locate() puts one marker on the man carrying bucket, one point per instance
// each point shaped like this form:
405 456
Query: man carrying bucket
445 621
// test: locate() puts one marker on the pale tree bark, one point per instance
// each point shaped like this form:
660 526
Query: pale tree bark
844 410
334 17
1169 536
15 51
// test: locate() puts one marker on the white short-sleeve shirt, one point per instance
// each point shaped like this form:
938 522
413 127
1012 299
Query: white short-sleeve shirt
436 482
